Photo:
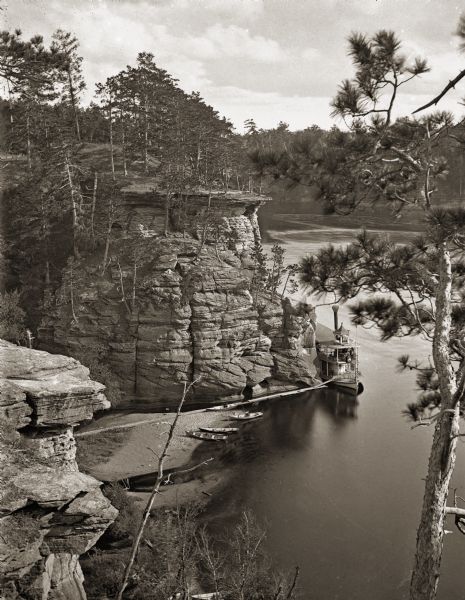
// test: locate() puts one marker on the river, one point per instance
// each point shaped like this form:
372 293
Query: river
338 483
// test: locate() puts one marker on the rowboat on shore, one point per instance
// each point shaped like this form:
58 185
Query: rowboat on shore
224 406
246 416
211 437
208 596
221 430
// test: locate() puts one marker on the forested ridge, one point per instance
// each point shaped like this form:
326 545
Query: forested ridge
64 164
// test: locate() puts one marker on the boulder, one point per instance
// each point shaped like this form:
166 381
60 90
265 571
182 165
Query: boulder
50 513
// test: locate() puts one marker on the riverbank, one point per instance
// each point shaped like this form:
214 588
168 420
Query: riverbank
198 490
118 446
137 453
133 451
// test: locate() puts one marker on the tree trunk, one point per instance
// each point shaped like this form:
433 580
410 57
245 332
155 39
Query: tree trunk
121 283
197 158
425 576
73 205
92 214
146 136
112 150
205 226
72 95
167 212
111 220
28 133
47 273
71 293
10 102
107 247
285 284
134 287
123 146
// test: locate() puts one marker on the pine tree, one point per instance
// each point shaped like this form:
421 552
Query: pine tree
69 73
399 163
107 93
26 63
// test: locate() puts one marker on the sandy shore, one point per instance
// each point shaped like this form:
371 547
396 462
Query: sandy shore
138 454
144 435
198 490
141 438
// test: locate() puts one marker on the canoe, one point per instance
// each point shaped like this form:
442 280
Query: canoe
224 430
211 437
246 416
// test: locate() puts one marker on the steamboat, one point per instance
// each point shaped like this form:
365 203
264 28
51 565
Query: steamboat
338 359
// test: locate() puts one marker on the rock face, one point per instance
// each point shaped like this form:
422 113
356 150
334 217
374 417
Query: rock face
50 513
170 309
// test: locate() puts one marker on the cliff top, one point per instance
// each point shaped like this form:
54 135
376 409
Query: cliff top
139 185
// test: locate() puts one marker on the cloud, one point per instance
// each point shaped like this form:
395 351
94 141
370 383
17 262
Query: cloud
311 54
236 42
239 10
112 33
270 59
268 108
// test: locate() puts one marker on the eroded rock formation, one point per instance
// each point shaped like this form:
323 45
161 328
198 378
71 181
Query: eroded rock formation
171 308
50 513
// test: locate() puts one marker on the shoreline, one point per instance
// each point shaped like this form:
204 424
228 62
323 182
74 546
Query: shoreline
142 435
138 453
136 456
199 489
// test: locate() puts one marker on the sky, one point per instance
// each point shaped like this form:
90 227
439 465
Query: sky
270 60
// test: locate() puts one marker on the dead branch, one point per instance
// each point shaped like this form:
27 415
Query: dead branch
432 419
167 480
448 87
294 582
458 512
154 493
454 510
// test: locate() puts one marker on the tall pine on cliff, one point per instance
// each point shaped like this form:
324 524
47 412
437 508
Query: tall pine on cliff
399 162
70 80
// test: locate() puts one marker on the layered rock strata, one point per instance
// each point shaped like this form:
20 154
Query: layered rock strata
50 513
171 309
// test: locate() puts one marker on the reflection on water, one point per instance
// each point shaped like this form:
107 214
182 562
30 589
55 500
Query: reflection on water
339 481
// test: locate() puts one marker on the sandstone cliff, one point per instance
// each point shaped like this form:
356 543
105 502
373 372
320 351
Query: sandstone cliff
174 307
50 513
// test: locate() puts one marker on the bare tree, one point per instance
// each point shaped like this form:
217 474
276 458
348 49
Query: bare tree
155 490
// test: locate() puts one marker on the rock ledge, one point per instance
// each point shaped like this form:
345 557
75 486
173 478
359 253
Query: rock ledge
50 513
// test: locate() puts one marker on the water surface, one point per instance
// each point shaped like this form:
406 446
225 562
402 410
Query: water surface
339 483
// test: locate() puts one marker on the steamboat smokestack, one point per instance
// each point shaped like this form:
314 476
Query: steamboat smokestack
335 308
